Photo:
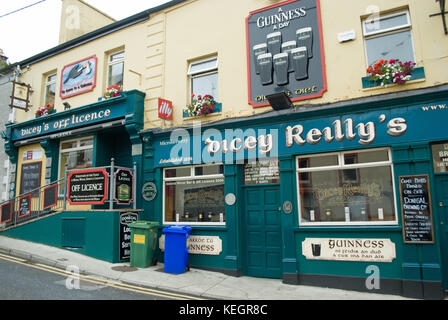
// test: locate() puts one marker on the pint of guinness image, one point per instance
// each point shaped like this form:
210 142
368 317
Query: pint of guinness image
287 47
305 39
257 50
274 42
281 68
300 62
265 65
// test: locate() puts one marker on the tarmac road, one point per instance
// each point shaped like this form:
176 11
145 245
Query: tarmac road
25 280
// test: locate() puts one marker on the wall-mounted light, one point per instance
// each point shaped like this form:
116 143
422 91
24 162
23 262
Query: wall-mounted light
67 106
279 101
442 13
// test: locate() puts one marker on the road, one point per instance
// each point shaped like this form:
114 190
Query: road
24 280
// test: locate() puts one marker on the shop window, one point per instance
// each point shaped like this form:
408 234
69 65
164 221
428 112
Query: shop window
204 77
76 154
50 89
194 195
388 37
355 187
115 69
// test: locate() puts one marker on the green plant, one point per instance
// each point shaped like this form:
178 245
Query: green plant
202 105
391 71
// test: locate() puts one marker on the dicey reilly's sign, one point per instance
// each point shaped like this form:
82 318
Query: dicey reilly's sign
285 52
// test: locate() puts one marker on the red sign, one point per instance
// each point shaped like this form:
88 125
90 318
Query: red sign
165 109
78 77
87 187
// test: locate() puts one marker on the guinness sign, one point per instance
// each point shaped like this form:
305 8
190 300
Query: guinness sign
285 52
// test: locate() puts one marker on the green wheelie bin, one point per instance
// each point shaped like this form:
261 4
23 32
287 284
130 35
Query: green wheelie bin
143 243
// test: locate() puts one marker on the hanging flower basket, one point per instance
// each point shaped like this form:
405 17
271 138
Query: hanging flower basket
201 106
45 110
391 71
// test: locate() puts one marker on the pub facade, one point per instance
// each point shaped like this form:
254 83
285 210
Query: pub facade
280 144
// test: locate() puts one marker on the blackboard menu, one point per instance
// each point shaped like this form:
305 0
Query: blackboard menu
416 209
6 212
30 177
25 205
87 187
51 196
261 172
125 234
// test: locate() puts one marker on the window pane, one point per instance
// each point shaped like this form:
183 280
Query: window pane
206 84
366 157
393 46
116 56
319 161
116 74
69 145
51 78
179 172
198 67
374 25
87 142
208 170
50 94
195 201
75 160
326 197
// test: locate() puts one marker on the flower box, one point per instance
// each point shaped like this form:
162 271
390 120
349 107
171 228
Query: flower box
418 73
217 108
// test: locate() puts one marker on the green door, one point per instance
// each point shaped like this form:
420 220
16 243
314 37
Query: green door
262 230
442 205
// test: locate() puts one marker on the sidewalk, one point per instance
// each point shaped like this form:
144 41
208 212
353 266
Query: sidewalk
207 284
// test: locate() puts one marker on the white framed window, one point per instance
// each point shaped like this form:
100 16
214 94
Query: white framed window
347 188
194 195
115 69
388 37
50 89
204 77
76 154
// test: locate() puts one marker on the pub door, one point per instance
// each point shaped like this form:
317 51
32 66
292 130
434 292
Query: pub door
442 205
262 238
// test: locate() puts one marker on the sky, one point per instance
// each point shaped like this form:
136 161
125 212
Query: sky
35 29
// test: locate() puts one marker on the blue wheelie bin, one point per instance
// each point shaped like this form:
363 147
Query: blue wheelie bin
177 243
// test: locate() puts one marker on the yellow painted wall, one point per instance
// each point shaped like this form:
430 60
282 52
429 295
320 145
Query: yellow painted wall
200 28
78 18
159 50
133 76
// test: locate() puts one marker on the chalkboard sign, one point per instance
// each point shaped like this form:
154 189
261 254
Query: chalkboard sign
25 205
87 187
30 177
6 212
125 234
416 209
50 196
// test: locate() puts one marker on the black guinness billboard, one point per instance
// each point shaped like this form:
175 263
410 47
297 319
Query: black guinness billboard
285 52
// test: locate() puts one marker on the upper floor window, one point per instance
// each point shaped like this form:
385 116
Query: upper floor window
50 89
115 69
388 37
204 77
